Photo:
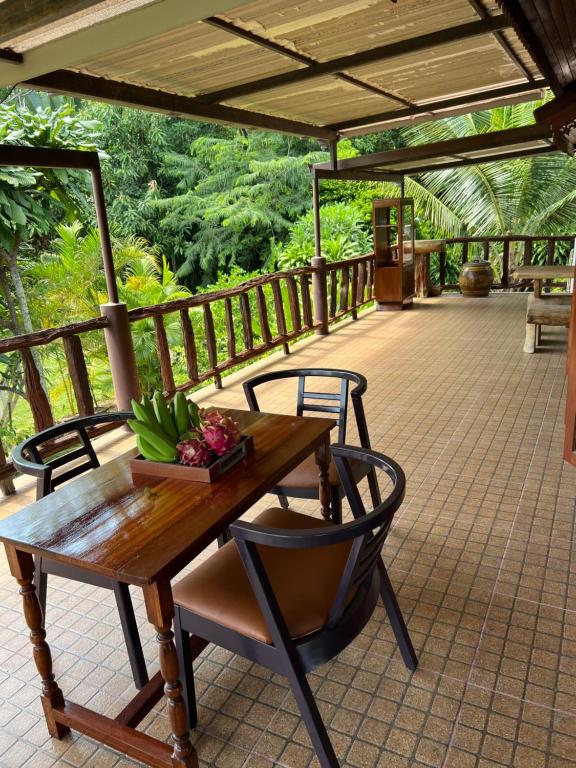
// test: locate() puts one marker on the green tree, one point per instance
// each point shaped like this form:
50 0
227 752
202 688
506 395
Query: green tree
343 234
33 201
532 195
234 195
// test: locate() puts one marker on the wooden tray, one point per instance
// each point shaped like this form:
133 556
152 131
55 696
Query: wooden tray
141 467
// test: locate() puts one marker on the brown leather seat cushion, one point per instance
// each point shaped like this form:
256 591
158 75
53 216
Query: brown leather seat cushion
305 582
306 474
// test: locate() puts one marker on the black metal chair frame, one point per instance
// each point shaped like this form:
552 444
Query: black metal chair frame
42 468
337 405
364 572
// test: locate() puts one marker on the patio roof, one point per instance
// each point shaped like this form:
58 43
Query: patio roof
307 68
482 148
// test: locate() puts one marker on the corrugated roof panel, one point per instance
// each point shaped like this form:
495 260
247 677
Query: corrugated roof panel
446 70
326 29
191 60
319 101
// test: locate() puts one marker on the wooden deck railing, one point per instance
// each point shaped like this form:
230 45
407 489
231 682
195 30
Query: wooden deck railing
505 252
214 333
201 337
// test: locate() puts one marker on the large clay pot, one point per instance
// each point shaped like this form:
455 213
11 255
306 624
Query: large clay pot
476 278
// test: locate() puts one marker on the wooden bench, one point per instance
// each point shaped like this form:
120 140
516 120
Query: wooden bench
551 309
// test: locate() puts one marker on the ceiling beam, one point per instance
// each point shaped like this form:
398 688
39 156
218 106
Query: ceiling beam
124 94
380 120
115 33
301 58
380 53
379 176
478 6
8 54
20 17
441 148
487 159
529 38
47 157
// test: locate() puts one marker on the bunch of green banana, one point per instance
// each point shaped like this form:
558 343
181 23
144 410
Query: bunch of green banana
159 427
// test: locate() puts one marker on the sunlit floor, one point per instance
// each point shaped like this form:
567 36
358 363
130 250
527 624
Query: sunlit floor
481 555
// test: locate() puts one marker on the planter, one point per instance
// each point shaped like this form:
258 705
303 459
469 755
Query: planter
476 278
142 468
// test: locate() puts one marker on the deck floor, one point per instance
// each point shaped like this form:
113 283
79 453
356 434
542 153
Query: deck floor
481 555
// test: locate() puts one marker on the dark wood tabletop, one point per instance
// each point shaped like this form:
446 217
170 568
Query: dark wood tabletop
106 524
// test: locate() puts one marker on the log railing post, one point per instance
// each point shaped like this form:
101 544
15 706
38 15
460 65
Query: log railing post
121 355
37 398
78 373
6 484
320 294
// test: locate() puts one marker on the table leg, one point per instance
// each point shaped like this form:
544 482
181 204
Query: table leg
323 462
160 611
22 568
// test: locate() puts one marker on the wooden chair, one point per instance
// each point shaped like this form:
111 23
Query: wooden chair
29 460
291 591
302 482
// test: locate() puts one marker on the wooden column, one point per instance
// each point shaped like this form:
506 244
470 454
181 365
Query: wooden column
319 291
121 355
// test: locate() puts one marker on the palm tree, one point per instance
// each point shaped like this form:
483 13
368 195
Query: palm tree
532 195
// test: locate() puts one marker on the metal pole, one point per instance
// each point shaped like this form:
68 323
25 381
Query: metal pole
105 244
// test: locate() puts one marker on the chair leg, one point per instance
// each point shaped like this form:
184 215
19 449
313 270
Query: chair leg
336 504
224 538
396 619
131 636
312 719
182 640
41 584
283 501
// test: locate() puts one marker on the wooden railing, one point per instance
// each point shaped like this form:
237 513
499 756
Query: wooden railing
505 252
201 337
211 333
350 286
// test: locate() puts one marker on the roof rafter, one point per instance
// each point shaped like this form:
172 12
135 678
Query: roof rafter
535 151
101 89
380 53
301 58
427 110
478 142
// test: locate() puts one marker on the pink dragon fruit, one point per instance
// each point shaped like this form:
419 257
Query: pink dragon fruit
195 453
220 433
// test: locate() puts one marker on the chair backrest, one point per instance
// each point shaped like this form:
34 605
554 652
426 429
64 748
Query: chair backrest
28 457
331 402
366 534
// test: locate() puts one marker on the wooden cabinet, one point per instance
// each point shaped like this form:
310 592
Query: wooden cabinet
393 224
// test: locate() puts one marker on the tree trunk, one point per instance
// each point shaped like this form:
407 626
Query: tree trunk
14 324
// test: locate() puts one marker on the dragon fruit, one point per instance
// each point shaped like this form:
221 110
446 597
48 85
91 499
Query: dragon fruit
220 433
195 453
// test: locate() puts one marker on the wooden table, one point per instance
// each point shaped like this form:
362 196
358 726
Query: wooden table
423 286
538 274
144 535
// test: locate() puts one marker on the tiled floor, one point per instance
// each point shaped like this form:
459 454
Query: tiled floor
481 555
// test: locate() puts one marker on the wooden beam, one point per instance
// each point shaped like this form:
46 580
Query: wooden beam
20 17
380 53
301 58
124 94
11 56
442 148
46 157
478 6
534 151
560 115
375 176
381 120
114 33
529 37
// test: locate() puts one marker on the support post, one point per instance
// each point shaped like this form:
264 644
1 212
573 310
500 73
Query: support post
105 243
319 276
121 355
